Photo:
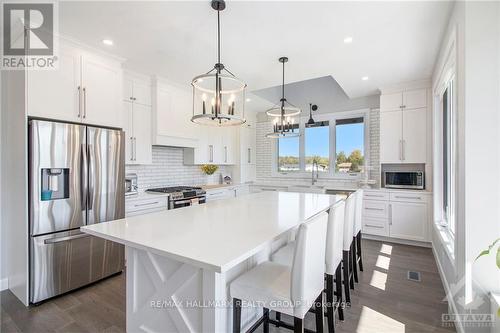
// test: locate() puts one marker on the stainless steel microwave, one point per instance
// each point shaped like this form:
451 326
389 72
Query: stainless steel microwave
414 180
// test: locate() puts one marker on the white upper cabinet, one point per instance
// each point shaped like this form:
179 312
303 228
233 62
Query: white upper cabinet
391 136
391 102
85 88
137 89
137 119
172 111
142 134
414 136
414 99
406 99
403 126
55 94
102 91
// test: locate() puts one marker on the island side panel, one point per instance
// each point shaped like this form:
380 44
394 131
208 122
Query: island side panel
164 295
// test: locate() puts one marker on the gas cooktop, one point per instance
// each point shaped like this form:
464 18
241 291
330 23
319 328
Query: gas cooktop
173 189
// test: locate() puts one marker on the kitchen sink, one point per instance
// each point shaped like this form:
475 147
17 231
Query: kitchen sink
307 188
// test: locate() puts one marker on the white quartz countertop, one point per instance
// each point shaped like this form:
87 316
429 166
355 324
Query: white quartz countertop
220 234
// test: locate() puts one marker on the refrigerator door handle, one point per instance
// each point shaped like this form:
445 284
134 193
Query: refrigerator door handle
84 177
64 239
91 177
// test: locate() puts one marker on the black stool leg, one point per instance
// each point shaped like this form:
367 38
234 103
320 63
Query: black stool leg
278 318
330 304
236 315
345 268
351 267
354 260
338 282
358 251
298 325
319 312
266 320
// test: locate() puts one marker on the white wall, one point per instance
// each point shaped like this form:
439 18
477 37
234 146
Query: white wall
477 31
14 183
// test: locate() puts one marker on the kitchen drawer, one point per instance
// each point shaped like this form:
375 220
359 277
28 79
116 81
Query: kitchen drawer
152 204
408 197
375 195
377 209
220 194
375 226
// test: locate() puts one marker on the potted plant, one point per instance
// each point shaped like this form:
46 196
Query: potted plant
209 169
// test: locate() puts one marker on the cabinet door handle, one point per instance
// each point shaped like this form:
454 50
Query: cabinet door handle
79 101
135 148
407 197
371 208
374 226
147 204
374 195
249 155
400 150
84 102
131 148
390 214
211 153
225 154
404 150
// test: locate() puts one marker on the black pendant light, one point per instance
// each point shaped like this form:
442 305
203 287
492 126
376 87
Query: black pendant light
220 89
312 107
283 126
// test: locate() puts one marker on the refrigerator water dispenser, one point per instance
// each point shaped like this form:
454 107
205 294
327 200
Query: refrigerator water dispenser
54 184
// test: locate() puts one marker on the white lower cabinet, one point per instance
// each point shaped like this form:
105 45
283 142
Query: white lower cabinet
396 214
145 205
408 221
220 193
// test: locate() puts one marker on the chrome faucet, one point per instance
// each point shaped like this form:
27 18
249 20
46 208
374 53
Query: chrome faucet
314 179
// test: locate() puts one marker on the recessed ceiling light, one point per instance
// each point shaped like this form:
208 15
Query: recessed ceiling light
107 42
248 100
365 78
348 40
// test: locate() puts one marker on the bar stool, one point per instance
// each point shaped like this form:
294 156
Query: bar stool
333 262
292 290
348 247
356 254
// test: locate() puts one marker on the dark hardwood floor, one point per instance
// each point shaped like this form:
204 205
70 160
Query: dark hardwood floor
384 301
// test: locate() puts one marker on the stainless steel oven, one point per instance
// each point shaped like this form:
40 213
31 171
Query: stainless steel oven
414 180
182 196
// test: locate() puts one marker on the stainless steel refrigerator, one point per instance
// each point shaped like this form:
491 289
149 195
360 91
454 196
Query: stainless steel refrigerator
76 178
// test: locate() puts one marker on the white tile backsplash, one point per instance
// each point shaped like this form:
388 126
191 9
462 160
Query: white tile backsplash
168 169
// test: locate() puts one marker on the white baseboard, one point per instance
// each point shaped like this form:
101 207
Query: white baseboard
4 284
458 325
396 240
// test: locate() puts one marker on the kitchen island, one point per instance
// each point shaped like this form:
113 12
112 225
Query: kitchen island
180 262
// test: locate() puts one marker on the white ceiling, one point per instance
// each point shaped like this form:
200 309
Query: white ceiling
393 41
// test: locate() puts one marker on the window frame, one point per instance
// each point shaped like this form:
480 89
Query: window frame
331 174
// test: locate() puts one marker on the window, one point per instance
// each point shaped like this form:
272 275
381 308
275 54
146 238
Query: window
288 154
349 145
337 142
448 157
317 146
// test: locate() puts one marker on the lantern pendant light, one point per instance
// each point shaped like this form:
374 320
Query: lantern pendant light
283 125
218 95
